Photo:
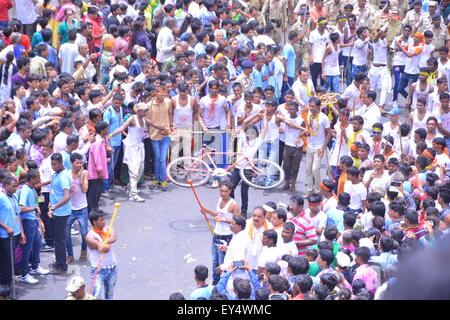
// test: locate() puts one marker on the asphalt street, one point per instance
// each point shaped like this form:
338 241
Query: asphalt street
159 243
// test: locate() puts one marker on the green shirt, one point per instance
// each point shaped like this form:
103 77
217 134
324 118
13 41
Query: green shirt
314 269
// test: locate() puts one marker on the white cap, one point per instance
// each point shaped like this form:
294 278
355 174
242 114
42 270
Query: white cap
342 260
75 283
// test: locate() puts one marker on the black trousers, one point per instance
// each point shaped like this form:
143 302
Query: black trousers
59 238
292 157
316 73
48 223
280 154
5 259
235 179
95 188
149 168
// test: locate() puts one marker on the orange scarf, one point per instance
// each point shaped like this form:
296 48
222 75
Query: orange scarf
101 233
376 146
211 107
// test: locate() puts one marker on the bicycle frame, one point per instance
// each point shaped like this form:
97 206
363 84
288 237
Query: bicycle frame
208 154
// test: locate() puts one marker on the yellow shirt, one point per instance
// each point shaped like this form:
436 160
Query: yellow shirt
158 113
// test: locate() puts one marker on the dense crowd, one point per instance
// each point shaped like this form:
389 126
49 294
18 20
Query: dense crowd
95 95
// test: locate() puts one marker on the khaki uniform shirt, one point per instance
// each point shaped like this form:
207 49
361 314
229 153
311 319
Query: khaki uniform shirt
441 36
277 11
159 115
256 3
364 16
413 18
246 83
334 10
302 28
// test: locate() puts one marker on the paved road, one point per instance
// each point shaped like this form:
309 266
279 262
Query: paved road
153 239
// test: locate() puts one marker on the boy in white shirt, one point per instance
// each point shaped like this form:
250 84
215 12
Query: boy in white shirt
294 128
356 189
361 50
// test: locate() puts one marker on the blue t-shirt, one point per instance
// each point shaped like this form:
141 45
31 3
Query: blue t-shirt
204 292
115 120
289 54
27 198
335 217
9 214
61 181
66 160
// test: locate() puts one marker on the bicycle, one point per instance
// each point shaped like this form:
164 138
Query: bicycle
264 174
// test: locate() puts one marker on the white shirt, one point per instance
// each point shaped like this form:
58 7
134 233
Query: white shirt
255 246
60 142
218 118
361 50
340 148
377 184
318 140
194 9
67 53
46 172
237 249
269 255
426 53
292 134
319 220
399 58
412 63
164 44
353 94
358 194
263 39
329 204
247 148
380 51
26 11
318 44
371 115
302 91
289 248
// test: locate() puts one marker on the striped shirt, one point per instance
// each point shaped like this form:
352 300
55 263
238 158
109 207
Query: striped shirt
304 230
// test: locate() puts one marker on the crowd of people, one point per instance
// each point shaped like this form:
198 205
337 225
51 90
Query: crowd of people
97 94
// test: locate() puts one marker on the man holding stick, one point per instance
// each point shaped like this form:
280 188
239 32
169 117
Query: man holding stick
223 216
101 255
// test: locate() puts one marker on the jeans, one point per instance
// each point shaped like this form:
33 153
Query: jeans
160 150
404 83
269 150
95 188
332 83
235 179
82 217
217 255
107 183
316 72
313 170
5 259
48 223
60 241
106 280
3 24
216 141
31 249
398 71
357 69
348 63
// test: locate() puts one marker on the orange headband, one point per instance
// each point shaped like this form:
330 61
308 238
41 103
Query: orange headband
427 153
324 187
354 147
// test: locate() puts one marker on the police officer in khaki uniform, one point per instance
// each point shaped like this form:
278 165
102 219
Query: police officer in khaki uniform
334 8
441 36
303 28
276 13
256 3
245 78
427 21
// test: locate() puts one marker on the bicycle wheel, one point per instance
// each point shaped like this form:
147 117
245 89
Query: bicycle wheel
262 174
183 169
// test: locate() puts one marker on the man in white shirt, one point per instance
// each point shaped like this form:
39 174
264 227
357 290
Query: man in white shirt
360 50
318 40
352 93
89 70
315 213
165 41
293 128
379 74
238 247
21 139
270 252
68 52
370 112
255 228
319 134
66 128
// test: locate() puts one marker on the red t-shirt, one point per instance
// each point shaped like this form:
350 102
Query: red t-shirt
4 6
24 42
